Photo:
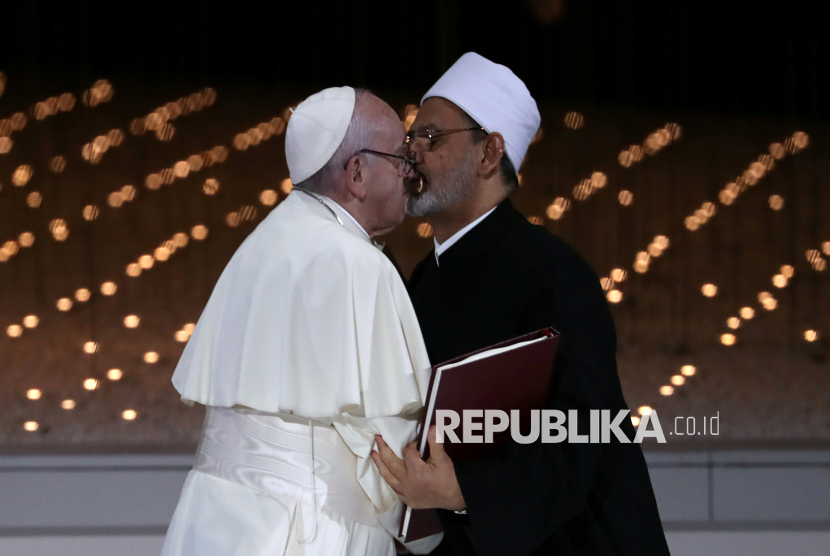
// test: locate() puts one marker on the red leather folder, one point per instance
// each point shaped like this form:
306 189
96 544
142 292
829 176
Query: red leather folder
510 375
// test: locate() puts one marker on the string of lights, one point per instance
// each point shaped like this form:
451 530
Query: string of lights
15 122
145 262
96 380
159 121
750 177
100 92
181 169
268 197
587 187
766 300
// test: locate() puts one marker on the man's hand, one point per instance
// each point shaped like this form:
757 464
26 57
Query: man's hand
420 484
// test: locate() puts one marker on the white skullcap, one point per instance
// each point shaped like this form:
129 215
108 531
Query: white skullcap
494 97
315 130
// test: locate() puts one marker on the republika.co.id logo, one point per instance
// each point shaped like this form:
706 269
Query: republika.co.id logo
548 425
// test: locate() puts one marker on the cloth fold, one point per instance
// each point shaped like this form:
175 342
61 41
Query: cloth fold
308 317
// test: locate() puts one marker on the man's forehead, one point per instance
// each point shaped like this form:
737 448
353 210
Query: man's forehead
438 111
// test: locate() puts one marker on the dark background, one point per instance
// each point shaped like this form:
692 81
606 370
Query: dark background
735 80
764 59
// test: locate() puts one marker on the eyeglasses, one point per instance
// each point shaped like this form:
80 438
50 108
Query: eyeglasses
407 161
425 138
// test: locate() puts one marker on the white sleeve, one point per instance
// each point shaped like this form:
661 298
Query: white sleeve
397 431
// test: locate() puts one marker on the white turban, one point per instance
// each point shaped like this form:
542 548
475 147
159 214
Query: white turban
315 130
494 97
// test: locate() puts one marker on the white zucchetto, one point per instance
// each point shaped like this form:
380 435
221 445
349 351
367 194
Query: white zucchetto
494 97
315 130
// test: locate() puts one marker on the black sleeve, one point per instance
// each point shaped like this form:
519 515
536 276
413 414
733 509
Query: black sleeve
517 497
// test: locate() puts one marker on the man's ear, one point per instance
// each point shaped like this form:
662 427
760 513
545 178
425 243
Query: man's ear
356 178
491 157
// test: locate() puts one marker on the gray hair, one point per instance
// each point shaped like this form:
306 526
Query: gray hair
358 136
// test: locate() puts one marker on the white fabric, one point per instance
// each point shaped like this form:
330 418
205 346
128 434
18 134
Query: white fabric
441 247
494 97
216 517
316 128
309 321
343 213
308 317
252 490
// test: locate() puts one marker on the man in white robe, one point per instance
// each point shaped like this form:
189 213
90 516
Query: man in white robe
308 347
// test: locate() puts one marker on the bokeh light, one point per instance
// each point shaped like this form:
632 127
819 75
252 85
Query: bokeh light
211 186
199 232
424 230
91 212
146 262
57 164
618 275
776 202
268 197
22 175
26 239
131 321
574 120
34 199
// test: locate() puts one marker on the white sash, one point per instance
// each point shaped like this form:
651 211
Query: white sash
263 452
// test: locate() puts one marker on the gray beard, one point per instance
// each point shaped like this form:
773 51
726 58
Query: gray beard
456 185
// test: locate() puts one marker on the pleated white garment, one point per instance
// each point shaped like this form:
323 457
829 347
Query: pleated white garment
307 317
252 492
308 347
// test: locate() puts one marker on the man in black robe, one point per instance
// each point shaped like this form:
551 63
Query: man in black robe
492 277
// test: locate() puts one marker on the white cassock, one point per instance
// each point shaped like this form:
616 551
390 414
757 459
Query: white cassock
307 348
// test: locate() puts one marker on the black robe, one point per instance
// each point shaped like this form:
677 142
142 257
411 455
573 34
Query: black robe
506 277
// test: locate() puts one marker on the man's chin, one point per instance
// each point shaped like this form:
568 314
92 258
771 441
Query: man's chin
419 205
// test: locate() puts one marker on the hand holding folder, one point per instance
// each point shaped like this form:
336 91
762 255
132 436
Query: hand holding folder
512 375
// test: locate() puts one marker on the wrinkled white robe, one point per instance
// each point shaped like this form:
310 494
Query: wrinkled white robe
307 348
